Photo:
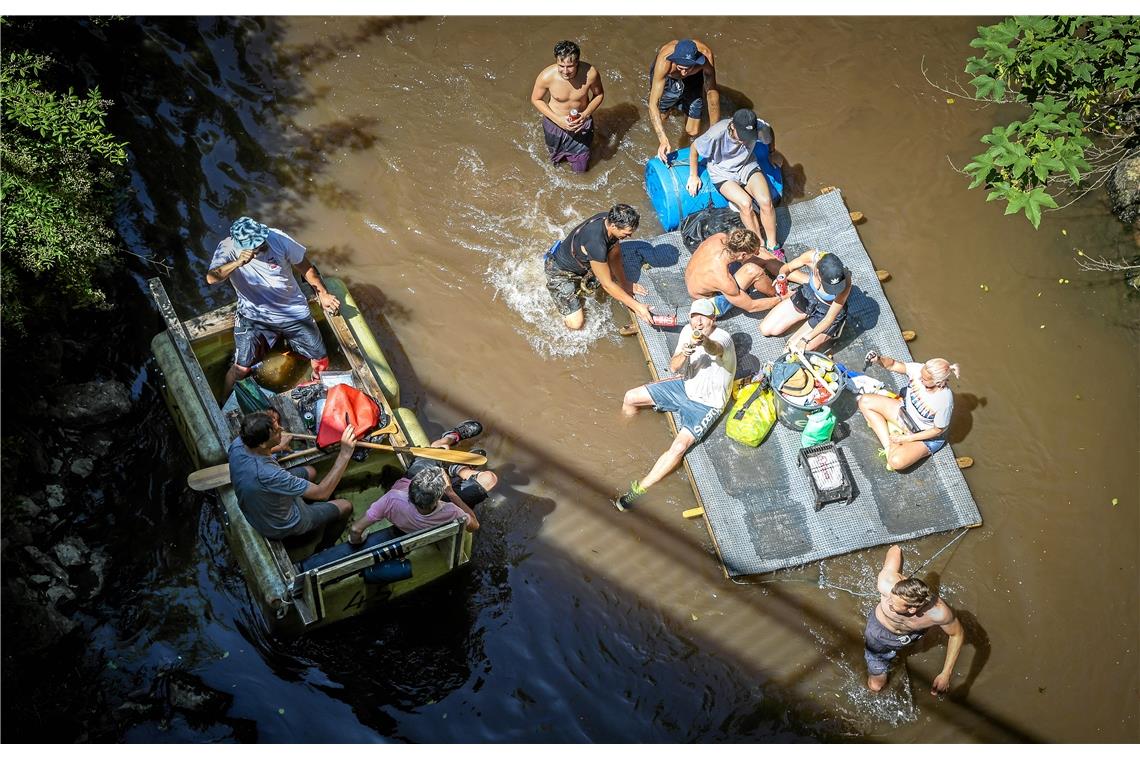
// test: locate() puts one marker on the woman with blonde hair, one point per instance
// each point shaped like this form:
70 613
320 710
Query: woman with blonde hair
921 416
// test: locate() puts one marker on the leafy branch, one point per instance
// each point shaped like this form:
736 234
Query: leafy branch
1077 76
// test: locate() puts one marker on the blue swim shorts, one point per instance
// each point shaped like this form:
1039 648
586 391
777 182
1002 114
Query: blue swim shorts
669 396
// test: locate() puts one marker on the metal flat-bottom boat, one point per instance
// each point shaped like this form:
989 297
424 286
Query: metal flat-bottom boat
297 592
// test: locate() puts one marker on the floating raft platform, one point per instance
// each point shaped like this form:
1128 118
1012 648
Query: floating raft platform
758 503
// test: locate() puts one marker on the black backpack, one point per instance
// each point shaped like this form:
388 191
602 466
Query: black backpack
699 225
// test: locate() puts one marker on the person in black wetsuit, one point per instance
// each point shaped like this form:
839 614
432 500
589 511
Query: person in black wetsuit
589 258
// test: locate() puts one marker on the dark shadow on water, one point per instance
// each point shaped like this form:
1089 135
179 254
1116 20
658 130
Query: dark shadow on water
962 421
612 125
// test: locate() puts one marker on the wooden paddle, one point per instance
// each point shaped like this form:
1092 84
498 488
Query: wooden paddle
219 475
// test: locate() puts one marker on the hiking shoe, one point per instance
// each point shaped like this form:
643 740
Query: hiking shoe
624 503
453 469
463 431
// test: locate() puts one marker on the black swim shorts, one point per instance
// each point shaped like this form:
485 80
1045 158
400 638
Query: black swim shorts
881 644
253 339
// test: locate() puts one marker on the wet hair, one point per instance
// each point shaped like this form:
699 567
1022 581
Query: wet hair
426 489
741 241
624 217
567 49
256 428
940 370
913 591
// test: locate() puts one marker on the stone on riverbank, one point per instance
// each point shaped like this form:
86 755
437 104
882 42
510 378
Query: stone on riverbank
88 404
1124 190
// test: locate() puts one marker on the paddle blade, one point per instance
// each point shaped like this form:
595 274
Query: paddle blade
449 455
209 477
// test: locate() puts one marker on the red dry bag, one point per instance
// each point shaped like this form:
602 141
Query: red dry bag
345 405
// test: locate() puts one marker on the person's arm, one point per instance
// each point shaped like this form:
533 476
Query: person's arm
712 94
601 270
693 184
538 98
356 530
891 572
596 92
957 635
222 272
656 90
472 521
891 365
323 490
738 296
329 302
685 349
790 268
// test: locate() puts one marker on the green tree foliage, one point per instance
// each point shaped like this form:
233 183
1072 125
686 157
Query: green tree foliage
57 177
1077 75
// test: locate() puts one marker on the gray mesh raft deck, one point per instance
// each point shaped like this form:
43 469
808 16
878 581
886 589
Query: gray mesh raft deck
758 502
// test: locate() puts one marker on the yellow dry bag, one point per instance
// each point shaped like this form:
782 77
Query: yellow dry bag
752 416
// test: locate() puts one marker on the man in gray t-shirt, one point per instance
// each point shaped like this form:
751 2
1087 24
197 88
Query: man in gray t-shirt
728 147
273 498
259 262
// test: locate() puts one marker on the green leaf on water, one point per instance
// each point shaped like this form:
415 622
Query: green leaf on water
1115 502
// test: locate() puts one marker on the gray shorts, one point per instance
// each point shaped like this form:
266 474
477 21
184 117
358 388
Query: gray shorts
253 339
314 516
881 644
567 289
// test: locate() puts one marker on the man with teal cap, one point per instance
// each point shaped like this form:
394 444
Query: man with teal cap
259 262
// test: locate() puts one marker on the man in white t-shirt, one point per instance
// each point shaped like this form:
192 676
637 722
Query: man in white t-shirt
705 359
259 261
728 147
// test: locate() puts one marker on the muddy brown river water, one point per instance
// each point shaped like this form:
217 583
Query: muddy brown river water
406 155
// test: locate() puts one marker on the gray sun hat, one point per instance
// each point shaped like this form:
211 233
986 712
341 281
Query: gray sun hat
704 307
248 234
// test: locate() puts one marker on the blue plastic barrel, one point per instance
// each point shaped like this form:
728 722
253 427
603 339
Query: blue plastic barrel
665 186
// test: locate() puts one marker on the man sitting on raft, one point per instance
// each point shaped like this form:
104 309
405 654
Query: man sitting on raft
706 362
821 302
429 495
589 258
728 147
682 77
575 92
919 419
726 266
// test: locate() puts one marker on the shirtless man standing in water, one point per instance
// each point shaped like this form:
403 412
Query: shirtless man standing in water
905 612
575 92
729 264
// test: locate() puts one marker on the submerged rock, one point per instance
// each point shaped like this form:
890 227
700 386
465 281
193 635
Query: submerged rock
83 467
71 552
88 404
55 495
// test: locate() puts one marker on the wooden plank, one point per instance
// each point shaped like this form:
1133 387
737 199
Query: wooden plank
211 323
193 369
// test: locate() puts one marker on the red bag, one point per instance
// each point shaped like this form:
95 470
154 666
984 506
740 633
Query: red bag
345 405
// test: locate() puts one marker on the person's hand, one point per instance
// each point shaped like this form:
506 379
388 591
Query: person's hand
693 185
441 443
795 343
690 347
247 255
348 439
663 151
871 357
642 312
330 303
941 683
639 289
897 439
575 123
286 439
355 537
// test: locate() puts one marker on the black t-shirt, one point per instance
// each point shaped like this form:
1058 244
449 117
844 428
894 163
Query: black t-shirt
589 235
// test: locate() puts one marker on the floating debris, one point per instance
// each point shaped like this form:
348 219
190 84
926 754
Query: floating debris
856 216
883 275
909 335
964 462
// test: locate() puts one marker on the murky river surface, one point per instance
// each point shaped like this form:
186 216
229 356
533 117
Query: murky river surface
406 155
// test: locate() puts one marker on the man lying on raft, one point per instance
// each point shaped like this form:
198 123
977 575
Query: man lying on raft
725 267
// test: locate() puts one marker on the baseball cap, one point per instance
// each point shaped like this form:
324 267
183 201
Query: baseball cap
832 273
248 233
704 307
744 121
686 54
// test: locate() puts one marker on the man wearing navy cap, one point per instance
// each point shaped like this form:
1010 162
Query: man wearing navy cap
729 146
259 261
682 77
